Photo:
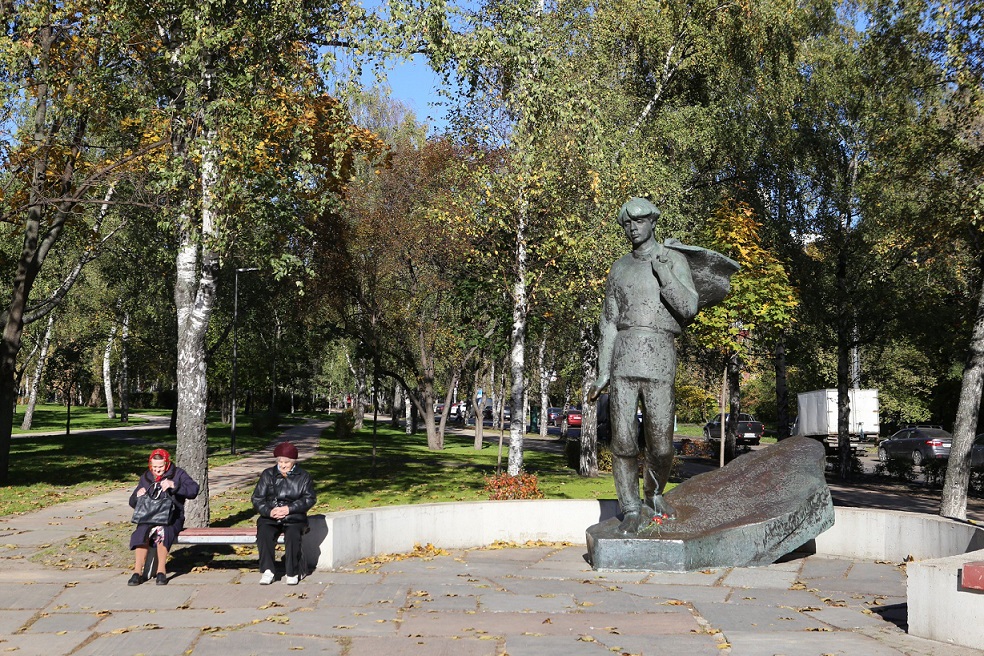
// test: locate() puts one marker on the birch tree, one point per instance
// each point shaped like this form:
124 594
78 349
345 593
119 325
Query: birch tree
68 85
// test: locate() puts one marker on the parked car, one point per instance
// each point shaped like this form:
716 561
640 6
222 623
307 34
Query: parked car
487 413
977 453
553 416
916 444
570 419
750 429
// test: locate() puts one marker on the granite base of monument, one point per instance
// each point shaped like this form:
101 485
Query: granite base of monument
753 511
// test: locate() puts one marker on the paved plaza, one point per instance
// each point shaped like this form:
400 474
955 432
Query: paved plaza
541 600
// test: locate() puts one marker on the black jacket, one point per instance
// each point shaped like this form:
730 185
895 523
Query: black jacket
296 491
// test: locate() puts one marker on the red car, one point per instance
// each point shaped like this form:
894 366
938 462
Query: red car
570 419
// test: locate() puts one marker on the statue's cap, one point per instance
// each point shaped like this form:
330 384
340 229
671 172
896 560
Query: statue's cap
637 208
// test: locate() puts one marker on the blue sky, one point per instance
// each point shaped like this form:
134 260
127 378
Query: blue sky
416 85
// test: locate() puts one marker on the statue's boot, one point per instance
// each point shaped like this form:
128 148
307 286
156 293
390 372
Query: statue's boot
653 491
661 507
625 470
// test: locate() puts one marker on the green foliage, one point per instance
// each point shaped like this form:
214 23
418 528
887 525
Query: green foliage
762 299
605 456
934 471
901 470
344 424
504 486
264 424
693 403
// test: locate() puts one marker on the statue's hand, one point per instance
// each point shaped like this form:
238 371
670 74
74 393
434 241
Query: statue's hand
597 388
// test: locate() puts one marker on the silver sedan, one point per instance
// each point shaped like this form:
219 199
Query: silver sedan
916 444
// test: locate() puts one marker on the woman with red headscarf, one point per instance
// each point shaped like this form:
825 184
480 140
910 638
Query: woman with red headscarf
161 477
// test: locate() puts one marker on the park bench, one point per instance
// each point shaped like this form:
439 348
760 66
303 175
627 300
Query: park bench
208 535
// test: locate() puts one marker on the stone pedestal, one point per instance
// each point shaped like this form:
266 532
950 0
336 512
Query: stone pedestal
753 511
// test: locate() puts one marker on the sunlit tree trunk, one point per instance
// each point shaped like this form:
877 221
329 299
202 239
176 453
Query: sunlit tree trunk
32 398
954 503
541 367
125 370
588 465
107 373
194 296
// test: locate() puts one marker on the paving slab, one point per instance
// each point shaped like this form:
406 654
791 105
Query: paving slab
31 596
333 622
702 577
118 596
146 643
733 617
224 644
666 592
424 646
760 577
540 645
42 645
508 602
667 645
186 618
774 597
367 594
12 620
57 622
765 643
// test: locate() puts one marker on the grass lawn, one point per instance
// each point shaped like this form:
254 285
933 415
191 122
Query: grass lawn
405 471
52 469
51 417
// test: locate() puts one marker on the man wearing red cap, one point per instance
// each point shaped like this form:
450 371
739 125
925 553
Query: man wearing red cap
283 496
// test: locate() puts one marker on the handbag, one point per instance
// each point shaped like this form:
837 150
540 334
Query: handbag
156 508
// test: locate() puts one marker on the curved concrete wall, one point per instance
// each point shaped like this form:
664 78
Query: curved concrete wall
938 607
341 538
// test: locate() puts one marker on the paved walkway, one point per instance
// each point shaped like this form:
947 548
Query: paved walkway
539 600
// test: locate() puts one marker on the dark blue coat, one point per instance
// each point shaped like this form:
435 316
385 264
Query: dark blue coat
184 488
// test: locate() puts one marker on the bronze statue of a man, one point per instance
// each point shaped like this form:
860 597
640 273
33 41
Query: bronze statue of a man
650 296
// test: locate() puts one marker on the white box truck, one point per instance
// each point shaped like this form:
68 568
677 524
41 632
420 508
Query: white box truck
817 416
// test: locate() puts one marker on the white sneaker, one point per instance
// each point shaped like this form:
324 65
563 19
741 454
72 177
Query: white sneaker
292 580
266 578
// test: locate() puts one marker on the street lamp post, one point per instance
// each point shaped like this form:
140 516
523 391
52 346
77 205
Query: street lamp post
235 344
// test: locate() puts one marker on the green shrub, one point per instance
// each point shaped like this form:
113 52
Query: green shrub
977 481
345 424
264 424
604 457
902 470
697 448
935 471
503 487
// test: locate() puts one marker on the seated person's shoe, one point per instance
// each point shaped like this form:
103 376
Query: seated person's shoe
136 579
162 579
266 578
292 580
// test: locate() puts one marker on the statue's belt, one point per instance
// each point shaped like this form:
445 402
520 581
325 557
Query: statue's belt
652 330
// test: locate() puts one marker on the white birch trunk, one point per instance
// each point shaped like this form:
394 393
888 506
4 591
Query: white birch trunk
32 398
407 415
588 465
124 370
107 374
517 357
194 297
544 386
